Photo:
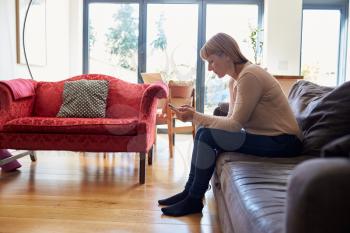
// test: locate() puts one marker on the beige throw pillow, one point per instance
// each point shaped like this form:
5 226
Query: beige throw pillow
84 99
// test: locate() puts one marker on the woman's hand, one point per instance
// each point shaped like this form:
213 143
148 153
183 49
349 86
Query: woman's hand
185 113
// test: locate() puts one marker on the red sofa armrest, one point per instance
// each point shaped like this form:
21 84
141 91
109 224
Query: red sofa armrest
11 108
148 110
150 98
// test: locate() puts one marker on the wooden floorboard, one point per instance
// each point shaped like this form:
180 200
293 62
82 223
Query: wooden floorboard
85 192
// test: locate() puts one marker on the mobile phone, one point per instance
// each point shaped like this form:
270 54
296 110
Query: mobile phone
172 107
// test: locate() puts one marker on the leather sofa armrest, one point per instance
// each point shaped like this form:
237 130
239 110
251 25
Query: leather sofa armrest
318 197
150 98
221 109
11 108
340 147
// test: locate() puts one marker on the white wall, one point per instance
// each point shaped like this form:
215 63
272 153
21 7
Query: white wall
7 42
282 36
62 42
76 37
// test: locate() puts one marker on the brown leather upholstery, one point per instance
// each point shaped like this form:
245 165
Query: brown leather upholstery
221 110
318 197
253 191
322 112
292 195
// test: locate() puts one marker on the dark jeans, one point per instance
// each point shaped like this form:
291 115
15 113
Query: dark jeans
209 143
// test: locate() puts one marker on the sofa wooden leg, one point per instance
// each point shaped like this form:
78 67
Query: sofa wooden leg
142 168
32 155
150 155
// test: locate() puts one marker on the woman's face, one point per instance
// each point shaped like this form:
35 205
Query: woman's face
219 64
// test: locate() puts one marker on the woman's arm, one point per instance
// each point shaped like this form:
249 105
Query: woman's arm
248 94
232 94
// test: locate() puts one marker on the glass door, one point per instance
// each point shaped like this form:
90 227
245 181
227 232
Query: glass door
113 33
170 32
320 46
172 40
239 21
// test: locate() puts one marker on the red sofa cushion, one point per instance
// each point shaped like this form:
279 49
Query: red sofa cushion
108 126
48 98
124 99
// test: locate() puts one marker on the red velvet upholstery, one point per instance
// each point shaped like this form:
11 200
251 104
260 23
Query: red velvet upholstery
20 88
30 123
74 125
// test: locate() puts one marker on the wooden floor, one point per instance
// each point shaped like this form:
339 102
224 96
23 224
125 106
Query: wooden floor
76 192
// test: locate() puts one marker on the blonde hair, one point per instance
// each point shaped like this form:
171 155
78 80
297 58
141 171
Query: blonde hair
223 43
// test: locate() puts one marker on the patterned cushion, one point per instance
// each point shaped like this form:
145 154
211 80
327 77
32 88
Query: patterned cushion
84 98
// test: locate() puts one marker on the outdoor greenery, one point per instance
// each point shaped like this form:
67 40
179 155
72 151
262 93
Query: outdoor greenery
255 43
160 42
123 38
92 35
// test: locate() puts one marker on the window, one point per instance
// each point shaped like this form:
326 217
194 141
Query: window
172 40
320 44
113 40
323 50
123 38
238 21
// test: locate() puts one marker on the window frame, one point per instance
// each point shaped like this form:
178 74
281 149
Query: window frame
343 32
142 53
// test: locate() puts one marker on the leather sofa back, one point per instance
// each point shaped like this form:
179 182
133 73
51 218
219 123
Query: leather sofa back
322 113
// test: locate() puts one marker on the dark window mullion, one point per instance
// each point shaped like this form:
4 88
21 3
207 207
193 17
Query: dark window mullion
85 37
342 50
200 80
142 51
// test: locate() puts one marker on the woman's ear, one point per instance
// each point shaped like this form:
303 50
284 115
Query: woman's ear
227 58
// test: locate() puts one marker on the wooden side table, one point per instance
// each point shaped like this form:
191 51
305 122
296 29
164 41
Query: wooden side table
287 81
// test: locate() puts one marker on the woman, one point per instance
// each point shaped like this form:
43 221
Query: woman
259 122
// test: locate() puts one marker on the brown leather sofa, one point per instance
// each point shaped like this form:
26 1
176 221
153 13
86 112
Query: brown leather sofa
306 194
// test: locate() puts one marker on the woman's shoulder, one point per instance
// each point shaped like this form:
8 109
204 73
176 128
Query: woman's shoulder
249 74
254 75
254 70
257 72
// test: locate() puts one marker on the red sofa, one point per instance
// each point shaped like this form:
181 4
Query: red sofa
29 121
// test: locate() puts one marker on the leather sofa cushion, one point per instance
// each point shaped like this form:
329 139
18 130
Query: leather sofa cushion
240 157
258 190
322 112
304 97
337 148
254 190
104 126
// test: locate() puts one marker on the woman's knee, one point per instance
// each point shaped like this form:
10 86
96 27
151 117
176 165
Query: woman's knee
202 132
199 132
205 135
